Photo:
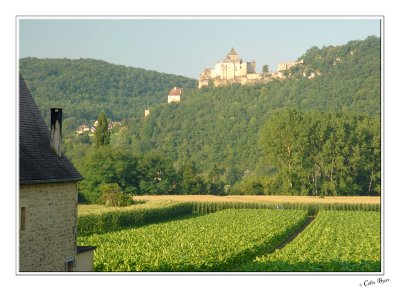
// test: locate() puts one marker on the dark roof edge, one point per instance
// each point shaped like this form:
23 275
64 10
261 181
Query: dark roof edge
82 249
48 181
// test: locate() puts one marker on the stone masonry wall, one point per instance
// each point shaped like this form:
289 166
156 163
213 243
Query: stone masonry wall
49 237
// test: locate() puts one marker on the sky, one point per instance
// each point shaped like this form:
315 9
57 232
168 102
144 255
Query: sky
186 45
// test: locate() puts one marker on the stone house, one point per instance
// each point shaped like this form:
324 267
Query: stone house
174 95
48 193
84 128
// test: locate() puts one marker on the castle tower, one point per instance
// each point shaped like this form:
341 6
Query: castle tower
232 56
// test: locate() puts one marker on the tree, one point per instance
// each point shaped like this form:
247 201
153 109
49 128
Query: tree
105 165
157 175
111 194
283 140
102 134
265 69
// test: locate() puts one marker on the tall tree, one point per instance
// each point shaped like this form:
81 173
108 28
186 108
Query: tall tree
102 134
157 175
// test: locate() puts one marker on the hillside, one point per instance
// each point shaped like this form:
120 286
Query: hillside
85 87
219 126
302 135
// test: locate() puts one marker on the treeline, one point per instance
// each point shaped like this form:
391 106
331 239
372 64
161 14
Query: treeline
306 153
318 153
134 174
86 87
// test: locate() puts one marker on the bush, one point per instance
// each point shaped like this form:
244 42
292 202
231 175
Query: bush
111 194
117 220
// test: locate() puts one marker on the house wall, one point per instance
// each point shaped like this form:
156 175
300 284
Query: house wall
49 237
84 262
175 99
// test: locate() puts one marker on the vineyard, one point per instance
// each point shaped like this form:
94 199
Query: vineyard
234 236
335 241
215 242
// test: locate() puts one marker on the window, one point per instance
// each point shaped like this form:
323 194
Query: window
23 218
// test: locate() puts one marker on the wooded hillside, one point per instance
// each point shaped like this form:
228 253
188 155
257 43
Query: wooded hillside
232 135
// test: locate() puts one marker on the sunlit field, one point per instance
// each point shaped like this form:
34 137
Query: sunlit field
262 199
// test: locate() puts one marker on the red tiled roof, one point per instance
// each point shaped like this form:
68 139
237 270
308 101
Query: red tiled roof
175 92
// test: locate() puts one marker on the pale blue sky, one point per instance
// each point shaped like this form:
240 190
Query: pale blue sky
184 46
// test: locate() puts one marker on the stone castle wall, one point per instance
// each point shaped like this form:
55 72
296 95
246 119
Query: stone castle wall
232 70
48 239
288 65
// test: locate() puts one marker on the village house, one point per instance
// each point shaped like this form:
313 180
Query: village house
174 95
84 128
113 124
48 195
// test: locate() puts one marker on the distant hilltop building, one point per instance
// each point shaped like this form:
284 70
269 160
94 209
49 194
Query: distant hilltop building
174 95
288 65
233 70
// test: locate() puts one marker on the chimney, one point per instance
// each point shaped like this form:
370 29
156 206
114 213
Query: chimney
55 130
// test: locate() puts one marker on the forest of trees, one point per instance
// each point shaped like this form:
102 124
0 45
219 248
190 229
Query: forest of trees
86 87
318 136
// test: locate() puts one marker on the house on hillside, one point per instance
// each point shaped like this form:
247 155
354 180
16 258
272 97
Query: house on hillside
113 124
83 128
48 194
174 95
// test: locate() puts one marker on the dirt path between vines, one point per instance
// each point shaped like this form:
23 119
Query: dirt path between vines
293 236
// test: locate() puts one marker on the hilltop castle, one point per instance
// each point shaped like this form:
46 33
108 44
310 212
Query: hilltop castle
233 70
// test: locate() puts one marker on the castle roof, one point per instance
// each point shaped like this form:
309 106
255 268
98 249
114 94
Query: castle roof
232 57
232 52
38 163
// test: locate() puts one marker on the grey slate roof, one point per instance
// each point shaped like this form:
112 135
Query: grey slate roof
37 161
232 52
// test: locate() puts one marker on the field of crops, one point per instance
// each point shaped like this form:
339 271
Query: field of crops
85 209
241 233
263 199
222 241
345 241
